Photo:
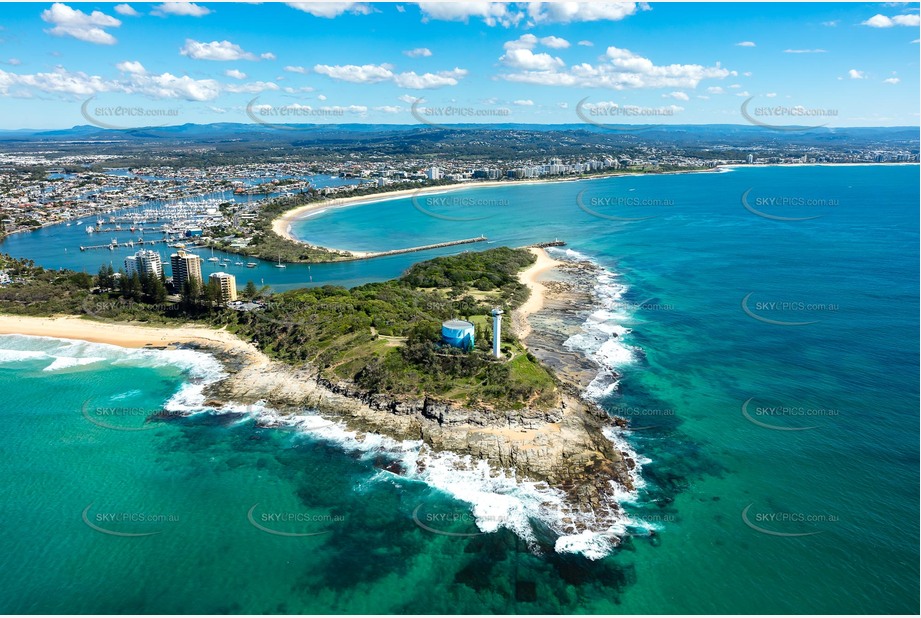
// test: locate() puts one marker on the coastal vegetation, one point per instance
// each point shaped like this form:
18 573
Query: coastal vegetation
384 338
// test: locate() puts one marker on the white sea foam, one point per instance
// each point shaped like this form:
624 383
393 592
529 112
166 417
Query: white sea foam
603 340
589 544
202 368
497 499
603 331
66 362
126 395
17 356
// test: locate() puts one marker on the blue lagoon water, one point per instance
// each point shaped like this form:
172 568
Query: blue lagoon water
771 364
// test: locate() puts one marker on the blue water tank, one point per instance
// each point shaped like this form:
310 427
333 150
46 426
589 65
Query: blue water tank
457 333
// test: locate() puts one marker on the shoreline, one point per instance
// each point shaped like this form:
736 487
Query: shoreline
564 446
129 335
281 225
531 277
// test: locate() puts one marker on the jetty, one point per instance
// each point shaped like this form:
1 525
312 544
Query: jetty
450 243
544 245
130 243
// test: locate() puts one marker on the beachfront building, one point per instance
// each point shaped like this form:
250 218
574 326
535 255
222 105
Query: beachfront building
185 266
144 262
228 285
433 173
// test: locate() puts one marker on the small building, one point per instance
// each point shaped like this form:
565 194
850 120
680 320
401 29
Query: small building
457 334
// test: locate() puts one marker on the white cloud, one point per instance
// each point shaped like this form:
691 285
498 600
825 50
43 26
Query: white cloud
554 42
295 69
172 87
619 69
163 86
523 102
716 90
129 66
76 23
408 98
234 73
568 12
329 10
491 13
891 80
267 56
251 87
831 24
389 109
418 52
60 81
527 60
525 41
373 74
586 43
745 44
428 81
350 109
855 74
771 95
222 51
321 97
126 9
804 51
744 93
609 105
186 9
364 74
881 21
14 62
681 96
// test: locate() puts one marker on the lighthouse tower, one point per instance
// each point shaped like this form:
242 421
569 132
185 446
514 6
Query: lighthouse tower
496 331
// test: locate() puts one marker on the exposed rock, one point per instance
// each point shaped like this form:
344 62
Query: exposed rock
562 446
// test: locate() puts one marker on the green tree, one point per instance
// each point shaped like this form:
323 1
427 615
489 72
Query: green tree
191 293
106 277
250 290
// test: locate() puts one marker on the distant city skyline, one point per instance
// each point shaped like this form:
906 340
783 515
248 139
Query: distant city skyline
142 64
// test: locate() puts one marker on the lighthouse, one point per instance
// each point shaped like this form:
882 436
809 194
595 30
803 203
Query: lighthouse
496 331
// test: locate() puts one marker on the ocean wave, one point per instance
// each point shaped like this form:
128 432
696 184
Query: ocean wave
201 367
67 362
497 499
603 331
603 340
18 356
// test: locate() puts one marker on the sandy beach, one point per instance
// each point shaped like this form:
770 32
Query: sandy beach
282 225
126 335
531 278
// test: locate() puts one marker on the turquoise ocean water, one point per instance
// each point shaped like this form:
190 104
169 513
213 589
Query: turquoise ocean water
767 345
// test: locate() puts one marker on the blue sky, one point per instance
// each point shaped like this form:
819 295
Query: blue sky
455 61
